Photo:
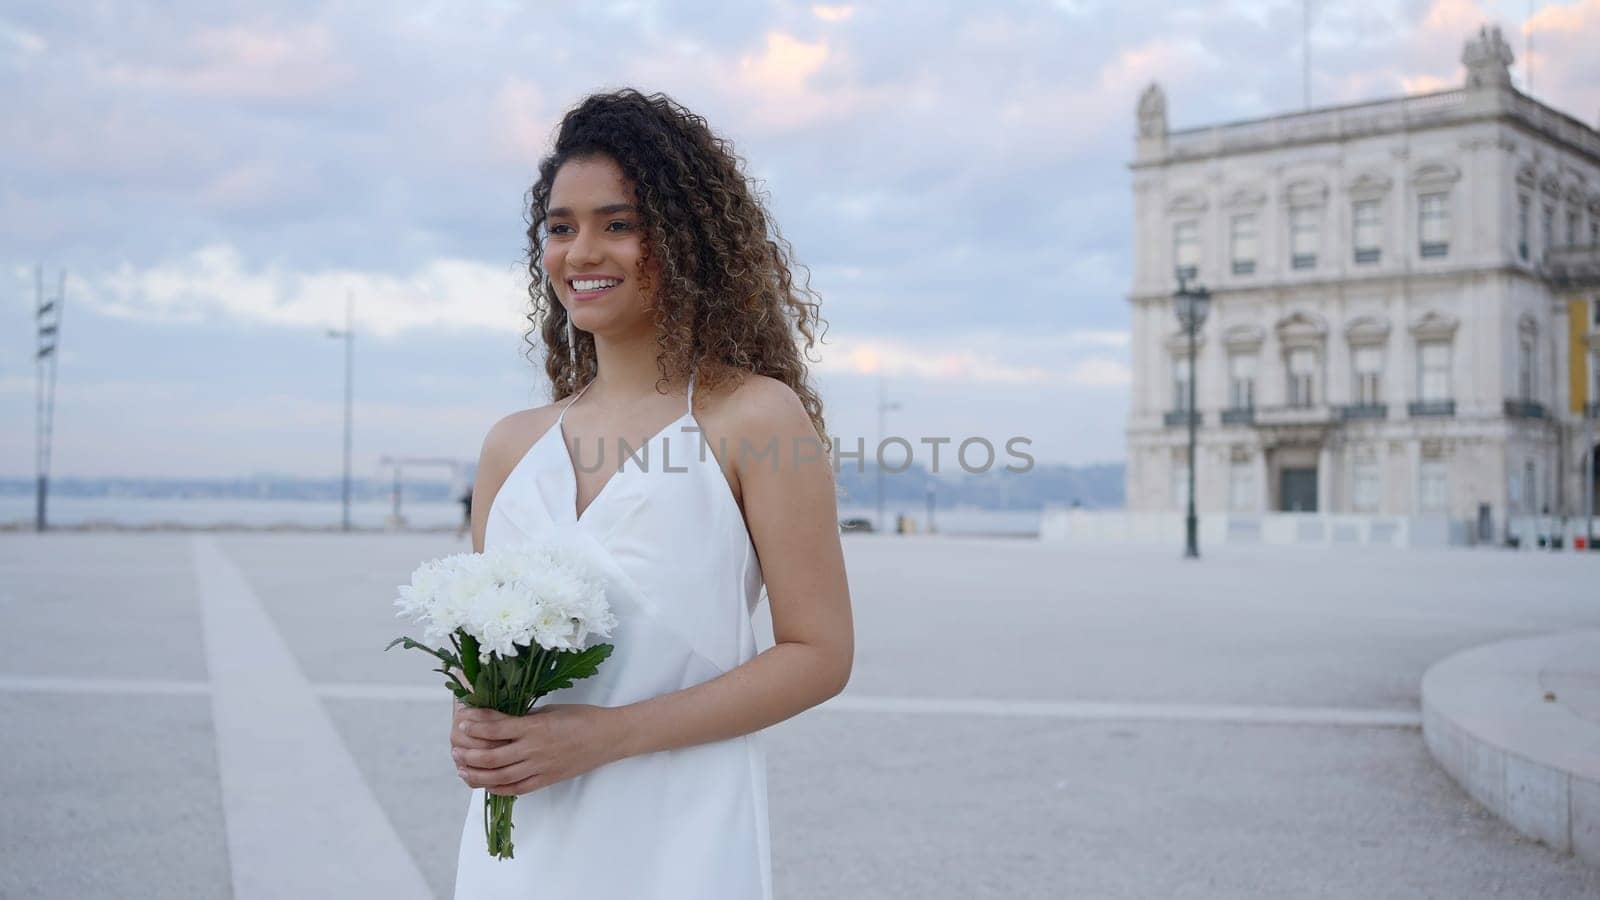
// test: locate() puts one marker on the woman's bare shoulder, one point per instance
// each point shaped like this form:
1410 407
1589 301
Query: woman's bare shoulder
509 439
751 399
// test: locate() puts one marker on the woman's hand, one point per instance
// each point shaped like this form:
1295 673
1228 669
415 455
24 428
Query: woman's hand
514 755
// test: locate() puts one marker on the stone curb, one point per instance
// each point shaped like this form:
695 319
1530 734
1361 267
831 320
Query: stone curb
1533 761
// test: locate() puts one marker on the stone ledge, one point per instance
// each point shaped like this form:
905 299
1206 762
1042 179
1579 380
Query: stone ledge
1534 762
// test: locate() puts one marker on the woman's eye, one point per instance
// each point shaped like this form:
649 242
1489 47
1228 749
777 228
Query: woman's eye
625 225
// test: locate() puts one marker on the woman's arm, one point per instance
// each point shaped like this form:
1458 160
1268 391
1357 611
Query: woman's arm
793 519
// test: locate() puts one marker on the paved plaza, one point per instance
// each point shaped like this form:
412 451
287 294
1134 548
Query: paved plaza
210 716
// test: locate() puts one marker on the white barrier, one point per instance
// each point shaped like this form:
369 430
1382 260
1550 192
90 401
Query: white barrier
1120 526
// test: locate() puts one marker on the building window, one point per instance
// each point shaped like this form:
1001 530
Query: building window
1433 486
1367 487
1304 237
1572 228
1302 377
1182 371
1186 248
1242 381
1522 225
1368 361
1243 495
1547 231
1433 225
1594 232
1433 371
1525 368
1368 238
1530 486
1242 244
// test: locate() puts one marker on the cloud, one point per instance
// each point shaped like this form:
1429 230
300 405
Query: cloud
990 358
244 62
451 294
1566 68
837 13
19 43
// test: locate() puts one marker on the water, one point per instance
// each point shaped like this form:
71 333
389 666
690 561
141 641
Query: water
181 512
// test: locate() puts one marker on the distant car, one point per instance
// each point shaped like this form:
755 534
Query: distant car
855 525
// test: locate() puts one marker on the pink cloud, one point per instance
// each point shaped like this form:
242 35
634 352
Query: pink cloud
245 63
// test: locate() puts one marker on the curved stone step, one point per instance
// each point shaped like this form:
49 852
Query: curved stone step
1517 724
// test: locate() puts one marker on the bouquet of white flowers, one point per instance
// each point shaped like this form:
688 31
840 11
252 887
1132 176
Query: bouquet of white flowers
516 619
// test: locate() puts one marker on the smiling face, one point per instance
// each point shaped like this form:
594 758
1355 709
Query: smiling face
594 249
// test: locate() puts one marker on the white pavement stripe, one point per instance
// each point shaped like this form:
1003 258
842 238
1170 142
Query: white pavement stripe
1153 712
1085 711
39 684
847 703
301 819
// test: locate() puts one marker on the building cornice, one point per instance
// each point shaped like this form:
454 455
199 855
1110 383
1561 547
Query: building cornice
1420 112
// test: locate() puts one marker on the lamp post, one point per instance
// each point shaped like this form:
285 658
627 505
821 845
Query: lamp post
349 335
877 469
1191 304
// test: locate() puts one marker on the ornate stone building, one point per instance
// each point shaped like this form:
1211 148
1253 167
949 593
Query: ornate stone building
1387 335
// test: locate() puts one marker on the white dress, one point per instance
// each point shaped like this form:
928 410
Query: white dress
683 580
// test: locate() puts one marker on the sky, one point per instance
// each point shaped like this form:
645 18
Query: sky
216 179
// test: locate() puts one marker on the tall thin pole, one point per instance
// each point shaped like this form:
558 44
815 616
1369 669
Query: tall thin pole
349 395
1305 50
349 335
1527 48
1588 472
1191 524
48 314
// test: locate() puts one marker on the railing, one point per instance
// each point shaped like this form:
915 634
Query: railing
1420 409
1572 267
1180 417
1360 411
1376 117
1555 122
1294 415
1244 415
1525 409
1319 124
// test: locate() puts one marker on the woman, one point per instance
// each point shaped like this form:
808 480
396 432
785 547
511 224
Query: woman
661 293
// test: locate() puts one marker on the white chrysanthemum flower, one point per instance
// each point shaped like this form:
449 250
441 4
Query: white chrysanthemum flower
501 618
550 593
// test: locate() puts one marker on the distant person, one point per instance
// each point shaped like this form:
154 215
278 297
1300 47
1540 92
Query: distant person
660 284
466 502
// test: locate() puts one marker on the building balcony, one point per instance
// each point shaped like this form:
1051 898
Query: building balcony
1357 412
1294 415
1525 409
1244 415
1177 417
1423 409
1592 411
1571 268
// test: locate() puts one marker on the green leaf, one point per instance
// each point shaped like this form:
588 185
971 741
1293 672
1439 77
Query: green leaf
413 645
570 666
469 657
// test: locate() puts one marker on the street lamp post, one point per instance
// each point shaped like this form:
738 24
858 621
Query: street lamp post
1191 304
877 469
348 334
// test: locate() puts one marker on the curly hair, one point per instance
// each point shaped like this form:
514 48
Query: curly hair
728 302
